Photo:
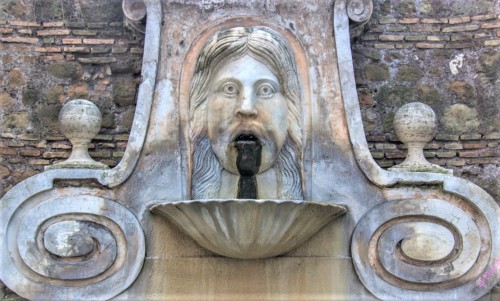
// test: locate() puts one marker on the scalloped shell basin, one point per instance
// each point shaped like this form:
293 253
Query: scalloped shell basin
249 229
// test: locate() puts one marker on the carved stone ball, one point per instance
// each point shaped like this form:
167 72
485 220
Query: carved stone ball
80 119
415 122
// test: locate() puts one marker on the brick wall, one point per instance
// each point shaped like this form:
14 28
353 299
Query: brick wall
404 59
46 64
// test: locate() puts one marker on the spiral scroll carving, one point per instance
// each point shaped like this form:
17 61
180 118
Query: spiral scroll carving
78 247
426 249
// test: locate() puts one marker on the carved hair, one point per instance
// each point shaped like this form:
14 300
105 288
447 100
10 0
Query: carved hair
265 46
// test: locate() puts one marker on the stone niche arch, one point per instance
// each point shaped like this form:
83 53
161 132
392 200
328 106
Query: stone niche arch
299 55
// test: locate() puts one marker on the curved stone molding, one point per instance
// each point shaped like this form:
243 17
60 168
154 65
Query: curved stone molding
249 229
150 61
67 247
426 249
367 164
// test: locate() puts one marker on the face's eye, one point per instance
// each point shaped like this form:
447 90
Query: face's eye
230 89
265 90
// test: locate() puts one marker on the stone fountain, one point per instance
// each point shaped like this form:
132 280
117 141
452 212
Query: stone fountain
247 176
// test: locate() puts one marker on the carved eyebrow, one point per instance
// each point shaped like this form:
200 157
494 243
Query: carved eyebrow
270 81
218 84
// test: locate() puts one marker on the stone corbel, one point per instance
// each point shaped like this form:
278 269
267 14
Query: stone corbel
435 242
135 14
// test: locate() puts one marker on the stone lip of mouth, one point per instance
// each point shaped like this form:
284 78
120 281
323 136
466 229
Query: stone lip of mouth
246 138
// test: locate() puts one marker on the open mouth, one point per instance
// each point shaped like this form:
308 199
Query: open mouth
246 139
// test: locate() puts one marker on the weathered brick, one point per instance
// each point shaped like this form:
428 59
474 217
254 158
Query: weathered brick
395 154
24 23
121 137
453 146
483 17
66 41
461 37
385 146
468 154
456 162
492 43
490 152
57 57
389 37
53 24
99 41
118 154
48 49
106 145
84 32
54 138
119 50
75 25
416 38
395 28
26 31
8 151
77 49
458 45
7 135
116 24
53 32
432 145
383 46
477 161
434 21
482 35
425 28
29 137
135 50
492 136
429 154
438 38
97 60
97 25
470 137
471 27
447 137
387 20
409 20
30 152
38 162
493 144
403 46
51 155
99 50
21 48
3 22
48 40
490 25
375 138
459 20
100 154
6 30
430 45
104 137
385 164
20 40
377 154
446 154
59 145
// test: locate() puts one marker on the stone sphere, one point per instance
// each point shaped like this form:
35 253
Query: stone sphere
80 119
415 122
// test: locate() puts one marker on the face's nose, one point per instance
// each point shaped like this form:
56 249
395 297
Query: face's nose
247 106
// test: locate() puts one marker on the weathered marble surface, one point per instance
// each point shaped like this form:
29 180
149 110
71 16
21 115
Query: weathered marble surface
356 256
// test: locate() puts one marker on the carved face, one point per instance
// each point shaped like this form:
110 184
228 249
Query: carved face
245 102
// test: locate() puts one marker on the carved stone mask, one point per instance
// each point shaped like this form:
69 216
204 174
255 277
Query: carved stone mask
246 103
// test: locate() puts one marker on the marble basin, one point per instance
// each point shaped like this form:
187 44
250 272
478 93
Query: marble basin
248 228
